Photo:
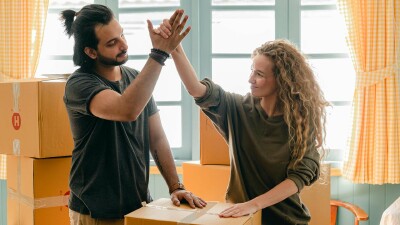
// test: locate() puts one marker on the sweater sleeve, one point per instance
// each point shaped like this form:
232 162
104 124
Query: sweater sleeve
214 104
307 171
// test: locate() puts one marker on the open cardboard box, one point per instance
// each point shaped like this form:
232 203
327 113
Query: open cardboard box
164 212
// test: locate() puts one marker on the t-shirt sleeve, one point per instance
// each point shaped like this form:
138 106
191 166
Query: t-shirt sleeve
307 171
80 90
152 107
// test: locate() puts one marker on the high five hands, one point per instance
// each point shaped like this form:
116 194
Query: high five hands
176 32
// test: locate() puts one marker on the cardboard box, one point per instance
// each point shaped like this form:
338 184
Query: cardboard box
207 181
33 119
163 212
213 148
37 190
210 182
317 198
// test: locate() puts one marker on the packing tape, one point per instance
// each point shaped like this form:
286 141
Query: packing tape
16 147
16 93
38 203
196 213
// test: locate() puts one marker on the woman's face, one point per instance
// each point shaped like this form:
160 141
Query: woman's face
262 80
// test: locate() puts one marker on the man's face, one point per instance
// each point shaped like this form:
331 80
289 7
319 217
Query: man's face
112 47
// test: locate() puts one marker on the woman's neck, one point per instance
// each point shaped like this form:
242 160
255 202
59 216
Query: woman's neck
270 107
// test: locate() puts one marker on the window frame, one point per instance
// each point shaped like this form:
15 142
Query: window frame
287 25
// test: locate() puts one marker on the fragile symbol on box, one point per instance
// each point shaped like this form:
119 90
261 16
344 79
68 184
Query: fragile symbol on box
16 118
16 121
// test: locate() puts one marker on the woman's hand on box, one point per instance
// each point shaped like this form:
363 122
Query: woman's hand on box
239 209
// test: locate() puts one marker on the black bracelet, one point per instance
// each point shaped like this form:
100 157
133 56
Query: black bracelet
159 51
158 57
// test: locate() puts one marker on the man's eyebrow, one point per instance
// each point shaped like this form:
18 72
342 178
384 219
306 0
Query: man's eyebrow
122 31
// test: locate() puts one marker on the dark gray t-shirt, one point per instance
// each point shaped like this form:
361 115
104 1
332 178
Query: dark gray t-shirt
110 161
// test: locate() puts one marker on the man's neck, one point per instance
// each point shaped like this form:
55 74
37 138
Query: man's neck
112 73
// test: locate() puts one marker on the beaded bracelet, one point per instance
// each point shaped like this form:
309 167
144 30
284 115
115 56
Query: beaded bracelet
159 51
159 56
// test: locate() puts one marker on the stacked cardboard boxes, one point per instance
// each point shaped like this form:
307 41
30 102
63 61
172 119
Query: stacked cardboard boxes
35 135
209 177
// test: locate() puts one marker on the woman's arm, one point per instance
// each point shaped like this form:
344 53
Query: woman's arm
182 63
277 194
187 73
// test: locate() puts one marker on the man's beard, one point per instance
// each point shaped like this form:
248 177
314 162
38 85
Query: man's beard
111 61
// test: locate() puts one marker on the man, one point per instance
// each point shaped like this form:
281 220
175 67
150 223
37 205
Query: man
114 119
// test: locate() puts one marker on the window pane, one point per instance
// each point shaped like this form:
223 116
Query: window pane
168 87
243 2
322 31
171 119
338 127
66 4
136 32
147 3
47 67
241 31
55 41
334 75
232 74
318 2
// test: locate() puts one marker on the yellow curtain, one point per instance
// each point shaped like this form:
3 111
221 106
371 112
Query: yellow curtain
22 26
373 38
3 170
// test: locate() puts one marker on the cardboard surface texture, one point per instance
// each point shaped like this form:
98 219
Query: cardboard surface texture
207 181
37 190
33 118
213 148
210 182
163 212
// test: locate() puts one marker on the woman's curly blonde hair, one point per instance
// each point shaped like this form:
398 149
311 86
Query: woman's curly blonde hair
299 97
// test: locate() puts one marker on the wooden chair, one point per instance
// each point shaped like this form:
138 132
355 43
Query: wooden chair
359 214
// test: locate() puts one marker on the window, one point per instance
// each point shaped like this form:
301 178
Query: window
316 26
224 34
57 49
323 40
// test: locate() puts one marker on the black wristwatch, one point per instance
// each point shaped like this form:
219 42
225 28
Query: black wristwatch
177 186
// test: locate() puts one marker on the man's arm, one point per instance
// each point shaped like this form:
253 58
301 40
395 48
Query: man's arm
164 160
111 105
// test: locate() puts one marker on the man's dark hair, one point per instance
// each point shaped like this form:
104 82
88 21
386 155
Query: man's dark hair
82 26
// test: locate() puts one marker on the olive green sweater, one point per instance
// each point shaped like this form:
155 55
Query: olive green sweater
259 153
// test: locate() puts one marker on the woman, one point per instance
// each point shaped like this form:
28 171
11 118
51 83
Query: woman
275 132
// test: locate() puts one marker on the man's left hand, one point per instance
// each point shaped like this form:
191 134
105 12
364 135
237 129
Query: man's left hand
184 195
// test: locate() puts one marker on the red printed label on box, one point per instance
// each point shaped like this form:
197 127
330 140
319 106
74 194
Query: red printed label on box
16 121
